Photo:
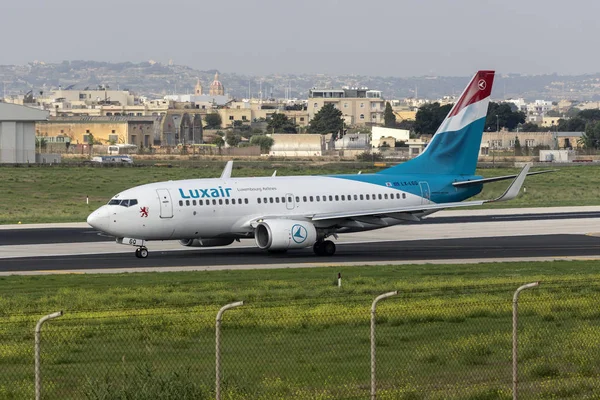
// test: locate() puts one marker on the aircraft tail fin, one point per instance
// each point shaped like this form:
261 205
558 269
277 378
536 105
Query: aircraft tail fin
454 149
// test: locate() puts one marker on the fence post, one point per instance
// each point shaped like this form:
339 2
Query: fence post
218 347
514 335
373 306
38 331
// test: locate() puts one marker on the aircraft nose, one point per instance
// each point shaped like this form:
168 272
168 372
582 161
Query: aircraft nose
99 219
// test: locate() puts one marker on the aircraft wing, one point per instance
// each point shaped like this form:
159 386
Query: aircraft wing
496 179
404 212
374 216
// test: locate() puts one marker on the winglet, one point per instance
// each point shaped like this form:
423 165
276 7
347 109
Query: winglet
274 173
515 187
226 174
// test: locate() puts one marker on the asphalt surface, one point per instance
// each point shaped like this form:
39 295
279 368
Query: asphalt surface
82 235
495 247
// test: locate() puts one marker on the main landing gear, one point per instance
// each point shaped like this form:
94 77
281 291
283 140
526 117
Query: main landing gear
324 248
141 252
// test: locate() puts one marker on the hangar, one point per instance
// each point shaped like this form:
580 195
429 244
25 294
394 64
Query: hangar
17 132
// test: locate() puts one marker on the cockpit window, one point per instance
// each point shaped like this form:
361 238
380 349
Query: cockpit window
124 203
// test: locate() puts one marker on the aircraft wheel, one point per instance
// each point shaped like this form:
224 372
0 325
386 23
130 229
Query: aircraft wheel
328 248
137 252
143 252
318 248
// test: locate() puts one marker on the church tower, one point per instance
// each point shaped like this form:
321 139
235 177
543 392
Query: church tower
198 88
217 88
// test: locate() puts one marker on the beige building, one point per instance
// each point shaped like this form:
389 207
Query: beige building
359 106
553 140
264 110
140 131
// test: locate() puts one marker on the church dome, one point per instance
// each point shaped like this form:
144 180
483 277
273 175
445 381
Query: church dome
216 87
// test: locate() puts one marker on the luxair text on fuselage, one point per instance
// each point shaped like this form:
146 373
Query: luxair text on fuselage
209 193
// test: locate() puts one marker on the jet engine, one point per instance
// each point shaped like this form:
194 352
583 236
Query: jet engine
283 234
205 242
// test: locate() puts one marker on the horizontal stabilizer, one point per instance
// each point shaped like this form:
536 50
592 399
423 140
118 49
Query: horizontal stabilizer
515 187
496 179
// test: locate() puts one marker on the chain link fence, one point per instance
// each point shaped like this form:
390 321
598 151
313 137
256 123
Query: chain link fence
454 344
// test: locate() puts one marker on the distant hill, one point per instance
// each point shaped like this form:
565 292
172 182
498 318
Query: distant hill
156 80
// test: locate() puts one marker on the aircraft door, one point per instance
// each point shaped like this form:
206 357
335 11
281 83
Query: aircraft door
166 205
289 201
425 193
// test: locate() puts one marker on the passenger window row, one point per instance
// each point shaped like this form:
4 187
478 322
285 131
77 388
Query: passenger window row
310 199
289 199
214 202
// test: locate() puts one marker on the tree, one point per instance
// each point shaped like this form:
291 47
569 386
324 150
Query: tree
531 127
430 117
501 115
280 123
589 115
232 139
409 125
327 120
41 143
219 142
213 121
518 150
265 142
552 113
591 136
389 118
574 124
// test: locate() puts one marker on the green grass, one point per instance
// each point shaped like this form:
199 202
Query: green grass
445 336
58 194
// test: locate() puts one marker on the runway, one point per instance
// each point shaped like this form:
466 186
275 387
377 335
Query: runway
459 237
357 253
85 234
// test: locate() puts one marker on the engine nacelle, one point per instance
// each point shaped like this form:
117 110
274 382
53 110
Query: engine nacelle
282 234
205 242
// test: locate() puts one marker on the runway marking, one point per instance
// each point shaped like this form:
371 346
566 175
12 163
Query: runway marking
58 272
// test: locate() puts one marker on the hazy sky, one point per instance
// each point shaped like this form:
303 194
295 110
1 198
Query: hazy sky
385 37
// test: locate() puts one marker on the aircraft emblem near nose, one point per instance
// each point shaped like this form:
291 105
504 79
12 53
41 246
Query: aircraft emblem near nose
144 212
299 233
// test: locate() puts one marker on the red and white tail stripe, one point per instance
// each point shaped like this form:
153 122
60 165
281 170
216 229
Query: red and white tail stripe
472 104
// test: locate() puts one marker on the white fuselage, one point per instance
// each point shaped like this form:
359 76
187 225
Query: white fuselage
212 208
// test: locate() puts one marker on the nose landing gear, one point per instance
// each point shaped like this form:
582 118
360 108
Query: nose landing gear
141 252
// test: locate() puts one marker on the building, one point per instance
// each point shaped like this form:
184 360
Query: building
17 132
216 87
299 145
505 140
380 134
140 131
359 106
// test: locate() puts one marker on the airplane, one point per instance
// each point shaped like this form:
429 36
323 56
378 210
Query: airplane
294 212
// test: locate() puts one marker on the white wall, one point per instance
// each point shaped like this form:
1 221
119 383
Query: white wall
17 133
377 132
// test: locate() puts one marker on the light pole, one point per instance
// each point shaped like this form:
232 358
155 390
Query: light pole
497 123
